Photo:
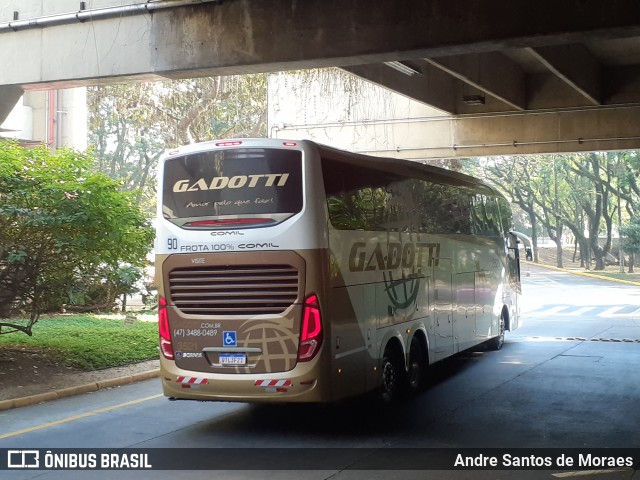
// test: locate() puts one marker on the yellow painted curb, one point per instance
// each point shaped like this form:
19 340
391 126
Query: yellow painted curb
584 274
77 390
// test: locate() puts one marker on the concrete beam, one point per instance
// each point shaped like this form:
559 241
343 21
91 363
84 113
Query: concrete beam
431 86
576 66
9 96
579 130
492 73
243 36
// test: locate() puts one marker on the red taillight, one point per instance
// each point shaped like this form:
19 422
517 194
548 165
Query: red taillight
229 222
228 144
289 144
311 336
166 347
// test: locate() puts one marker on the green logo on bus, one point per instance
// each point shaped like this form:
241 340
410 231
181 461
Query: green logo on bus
402 292
398 255
410 258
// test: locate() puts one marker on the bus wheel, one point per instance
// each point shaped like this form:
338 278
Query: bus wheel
496 343
417 365
393 376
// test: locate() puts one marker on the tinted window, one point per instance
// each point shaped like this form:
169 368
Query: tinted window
357 198
506 219
233 182
368 199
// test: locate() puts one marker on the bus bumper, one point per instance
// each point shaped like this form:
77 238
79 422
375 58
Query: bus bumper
300 385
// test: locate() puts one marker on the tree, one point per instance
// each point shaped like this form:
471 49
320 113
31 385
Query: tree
130 126
580 192
514 176
59 222
631 242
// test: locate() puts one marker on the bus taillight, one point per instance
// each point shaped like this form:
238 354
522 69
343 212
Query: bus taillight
311 336
163 327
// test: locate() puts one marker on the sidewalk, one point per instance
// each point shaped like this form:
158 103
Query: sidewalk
547 259
582 272
74 383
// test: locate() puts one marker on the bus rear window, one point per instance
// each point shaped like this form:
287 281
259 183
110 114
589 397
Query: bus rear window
232 188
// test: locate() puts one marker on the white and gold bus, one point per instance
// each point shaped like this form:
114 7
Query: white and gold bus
289 271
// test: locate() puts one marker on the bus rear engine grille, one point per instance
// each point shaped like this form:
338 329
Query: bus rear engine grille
234 289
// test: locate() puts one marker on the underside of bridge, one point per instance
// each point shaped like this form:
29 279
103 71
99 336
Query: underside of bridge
515 76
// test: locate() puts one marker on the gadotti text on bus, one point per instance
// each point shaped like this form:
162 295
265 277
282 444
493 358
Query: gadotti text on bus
239 181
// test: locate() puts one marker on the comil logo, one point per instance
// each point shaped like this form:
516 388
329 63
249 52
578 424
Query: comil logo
23 459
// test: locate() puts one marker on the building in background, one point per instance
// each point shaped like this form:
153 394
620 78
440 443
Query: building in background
57 118
335 108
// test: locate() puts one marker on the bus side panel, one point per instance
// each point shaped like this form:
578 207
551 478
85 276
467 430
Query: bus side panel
380 284
464 311
484 305
348 341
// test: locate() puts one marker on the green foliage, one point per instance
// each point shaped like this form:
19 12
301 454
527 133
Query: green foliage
581 193
131 125
88 342
59 223
631 234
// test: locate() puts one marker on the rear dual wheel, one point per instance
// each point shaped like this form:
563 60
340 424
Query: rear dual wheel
396 380
417 366
393 376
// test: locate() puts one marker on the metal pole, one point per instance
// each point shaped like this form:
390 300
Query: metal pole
620 252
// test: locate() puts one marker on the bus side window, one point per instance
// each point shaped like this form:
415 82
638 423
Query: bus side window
506 218
478 223
493 216
463 217
358 198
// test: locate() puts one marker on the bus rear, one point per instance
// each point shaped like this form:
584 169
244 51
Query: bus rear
240 254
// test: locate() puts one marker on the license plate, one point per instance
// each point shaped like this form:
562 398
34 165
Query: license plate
233 359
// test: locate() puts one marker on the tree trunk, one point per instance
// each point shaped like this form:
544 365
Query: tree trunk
632 257
599 253
559 259
585 254
555 234
599 262
534 237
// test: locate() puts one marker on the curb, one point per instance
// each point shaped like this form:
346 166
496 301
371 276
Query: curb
77 390
584 274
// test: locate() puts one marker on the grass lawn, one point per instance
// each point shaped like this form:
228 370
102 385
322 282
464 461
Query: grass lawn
547 256
89 342
632 277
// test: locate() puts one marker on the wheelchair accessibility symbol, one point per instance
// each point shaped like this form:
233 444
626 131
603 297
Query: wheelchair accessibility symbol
230 339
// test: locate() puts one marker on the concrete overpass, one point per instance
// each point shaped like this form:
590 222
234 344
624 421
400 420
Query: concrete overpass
516 76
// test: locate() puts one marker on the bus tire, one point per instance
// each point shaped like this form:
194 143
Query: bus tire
418 364
496 343
393 376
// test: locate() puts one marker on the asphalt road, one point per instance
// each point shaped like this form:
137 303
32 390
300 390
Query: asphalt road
568 378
